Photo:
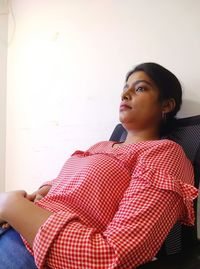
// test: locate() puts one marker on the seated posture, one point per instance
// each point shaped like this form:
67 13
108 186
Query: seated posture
112 205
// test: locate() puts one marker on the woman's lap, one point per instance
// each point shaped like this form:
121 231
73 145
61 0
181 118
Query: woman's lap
13 253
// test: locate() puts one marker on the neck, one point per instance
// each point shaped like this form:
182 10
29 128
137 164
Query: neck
139 136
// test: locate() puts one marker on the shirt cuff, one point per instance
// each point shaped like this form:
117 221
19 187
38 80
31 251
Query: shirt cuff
47 233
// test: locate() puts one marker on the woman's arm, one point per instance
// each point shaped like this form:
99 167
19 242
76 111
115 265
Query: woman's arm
22 214
134 236
62 240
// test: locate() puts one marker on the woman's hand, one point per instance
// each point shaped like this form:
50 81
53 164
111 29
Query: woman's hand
39 194
6 201
35 196
23 215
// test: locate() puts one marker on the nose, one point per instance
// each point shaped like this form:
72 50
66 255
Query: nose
126 94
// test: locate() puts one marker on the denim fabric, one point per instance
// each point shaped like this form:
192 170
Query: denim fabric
13 253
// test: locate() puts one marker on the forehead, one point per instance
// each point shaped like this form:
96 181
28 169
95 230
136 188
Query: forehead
140 75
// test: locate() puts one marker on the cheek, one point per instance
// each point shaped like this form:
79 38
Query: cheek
148 107
150 102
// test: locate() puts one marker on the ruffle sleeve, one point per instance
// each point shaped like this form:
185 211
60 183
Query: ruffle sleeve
160 179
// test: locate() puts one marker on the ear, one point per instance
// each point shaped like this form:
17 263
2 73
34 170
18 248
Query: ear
168 105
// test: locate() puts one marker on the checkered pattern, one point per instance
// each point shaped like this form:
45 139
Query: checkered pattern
113 207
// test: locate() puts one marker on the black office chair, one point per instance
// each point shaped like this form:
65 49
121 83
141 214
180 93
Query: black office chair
181 249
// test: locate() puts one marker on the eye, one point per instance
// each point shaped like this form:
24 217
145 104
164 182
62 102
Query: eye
140 89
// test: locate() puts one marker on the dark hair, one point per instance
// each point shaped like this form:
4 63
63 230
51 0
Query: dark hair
168 85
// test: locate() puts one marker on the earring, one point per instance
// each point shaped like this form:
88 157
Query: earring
164 117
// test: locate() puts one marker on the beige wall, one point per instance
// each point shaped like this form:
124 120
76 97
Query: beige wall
66 67
3 59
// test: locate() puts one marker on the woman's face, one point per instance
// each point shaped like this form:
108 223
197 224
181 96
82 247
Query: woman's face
140 107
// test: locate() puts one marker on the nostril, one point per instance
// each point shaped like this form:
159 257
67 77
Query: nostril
125 97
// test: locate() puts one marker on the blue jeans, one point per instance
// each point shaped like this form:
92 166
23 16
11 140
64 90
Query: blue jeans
13 253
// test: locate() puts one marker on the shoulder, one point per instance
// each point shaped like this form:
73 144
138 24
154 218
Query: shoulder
166 155
164 148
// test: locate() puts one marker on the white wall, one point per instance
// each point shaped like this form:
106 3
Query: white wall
66 68
3 59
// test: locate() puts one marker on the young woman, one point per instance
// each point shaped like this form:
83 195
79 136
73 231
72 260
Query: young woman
113 205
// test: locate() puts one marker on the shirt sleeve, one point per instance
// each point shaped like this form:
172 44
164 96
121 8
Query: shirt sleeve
145 216
159 194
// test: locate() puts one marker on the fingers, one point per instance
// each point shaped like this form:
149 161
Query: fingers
22 192
31 197
44 190
39 194
5 225
38 197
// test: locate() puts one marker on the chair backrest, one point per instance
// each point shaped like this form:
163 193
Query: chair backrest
187 134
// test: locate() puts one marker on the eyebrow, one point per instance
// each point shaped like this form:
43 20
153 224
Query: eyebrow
139 81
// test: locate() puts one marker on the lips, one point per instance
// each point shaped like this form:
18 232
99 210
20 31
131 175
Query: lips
124 106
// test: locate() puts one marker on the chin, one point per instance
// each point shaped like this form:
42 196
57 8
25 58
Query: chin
128 123
125 120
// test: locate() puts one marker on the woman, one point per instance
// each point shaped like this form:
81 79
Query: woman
113 205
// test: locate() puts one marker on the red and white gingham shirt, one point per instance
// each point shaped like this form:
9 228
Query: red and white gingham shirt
113 207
